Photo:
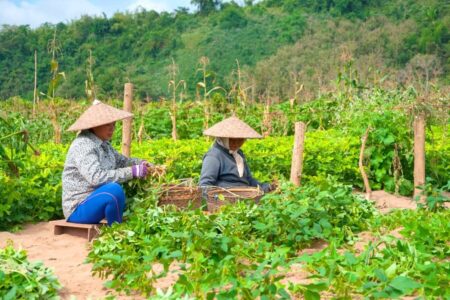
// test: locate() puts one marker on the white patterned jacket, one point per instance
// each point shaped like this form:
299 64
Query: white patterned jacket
90 163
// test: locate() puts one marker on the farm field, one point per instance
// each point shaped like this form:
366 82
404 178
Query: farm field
321 240
40 244
331 181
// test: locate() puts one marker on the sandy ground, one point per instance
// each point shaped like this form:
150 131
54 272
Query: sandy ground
386 202
65 254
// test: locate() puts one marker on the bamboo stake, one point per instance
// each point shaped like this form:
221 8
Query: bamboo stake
419 155
126 131
397 166
297 153
361 165
35 84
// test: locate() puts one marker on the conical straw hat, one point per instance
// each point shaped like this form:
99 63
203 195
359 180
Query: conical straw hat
232 128
99 114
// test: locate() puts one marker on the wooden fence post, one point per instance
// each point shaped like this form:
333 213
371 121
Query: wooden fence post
126 130
361 164
419 154
297 153
35 95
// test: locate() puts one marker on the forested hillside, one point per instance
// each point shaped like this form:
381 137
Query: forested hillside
268 49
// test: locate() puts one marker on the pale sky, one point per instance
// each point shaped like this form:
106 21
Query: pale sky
36 12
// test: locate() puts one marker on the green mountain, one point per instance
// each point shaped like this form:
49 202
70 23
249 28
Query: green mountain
279 45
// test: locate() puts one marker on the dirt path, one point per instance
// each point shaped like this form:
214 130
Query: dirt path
65 254
386 202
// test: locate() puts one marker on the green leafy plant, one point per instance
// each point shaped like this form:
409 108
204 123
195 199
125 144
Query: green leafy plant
14 144
242 251
36 194
388 267
22 279
434 197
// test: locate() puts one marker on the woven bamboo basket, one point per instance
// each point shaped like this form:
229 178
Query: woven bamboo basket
180 195
217 197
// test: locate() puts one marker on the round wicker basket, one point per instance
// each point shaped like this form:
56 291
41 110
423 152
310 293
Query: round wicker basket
180 196
216 197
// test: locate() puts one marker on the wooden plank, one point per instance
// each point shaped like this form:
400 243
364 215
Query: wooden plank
88 231
64 223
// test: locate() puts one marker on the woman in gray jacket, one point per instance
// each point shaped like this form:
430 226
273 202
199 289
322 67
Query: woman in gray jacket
224 165
94 169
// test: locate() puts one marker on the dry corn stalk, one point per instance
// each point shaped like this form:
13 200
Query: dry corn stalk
267 121
140 132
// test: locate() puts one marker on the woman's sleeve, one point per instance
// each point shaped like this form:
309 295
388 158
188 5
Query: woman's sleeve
90 168
210 171
123 161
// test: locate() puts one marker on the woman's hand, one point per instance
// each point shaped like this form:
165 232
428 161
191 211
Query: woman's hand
149 165
140 170
269 187
154 170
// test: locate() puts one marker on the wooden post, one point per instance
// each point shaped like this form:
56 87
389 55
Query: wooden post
397 166
419 154
361 165
126 132
35 84
297 153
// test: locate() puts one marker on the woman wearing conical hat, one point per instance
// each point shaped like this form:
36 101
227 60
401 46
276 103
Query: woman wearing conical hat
94 169
224 164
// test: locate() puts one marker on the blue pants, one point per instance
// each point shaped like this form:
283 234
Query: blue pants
107 201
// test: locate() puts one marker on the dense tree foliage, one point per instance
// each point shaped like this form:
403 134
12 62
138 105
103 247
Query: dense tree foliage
206 6
276 43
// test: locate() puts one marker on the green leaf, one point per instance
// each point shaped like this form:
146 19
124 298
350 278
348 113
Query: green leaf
317 287
176 254
50 208
391 270
282 292
11 294
404 284
350 258
390 139
380 275
311 295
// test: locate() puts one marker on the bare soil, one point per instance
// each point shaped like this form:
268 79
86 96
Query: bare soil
386 202
65 254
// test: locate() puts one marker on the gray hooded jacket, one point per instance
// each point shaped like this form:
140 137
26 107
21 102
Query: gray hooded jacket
219 169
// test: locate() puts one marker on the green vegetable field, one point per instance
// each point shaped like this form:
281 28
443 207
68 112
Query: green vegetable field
248 251
370 218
